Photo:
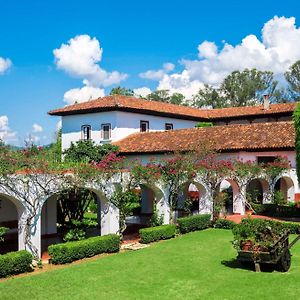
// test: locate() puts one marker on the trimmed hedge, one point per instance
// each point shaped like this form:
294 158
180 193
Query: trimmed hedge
14 263
157 233
224 224
275 210
71 251
193 223
293 227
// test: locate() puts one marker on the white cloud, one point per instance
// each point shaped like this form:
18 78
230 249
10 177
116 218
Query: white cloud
5 64
6 134
37 128
83 94
180 83
158 74
276 50
80 57
143 91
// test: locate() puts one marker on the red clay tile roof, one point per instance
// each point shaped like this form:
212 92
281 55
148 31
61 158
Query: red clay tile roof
125 103
253 137
232 112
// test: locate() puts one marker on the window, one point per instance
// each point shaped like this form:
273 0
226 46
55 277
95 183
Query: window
168 126
106 131
144 126
266 159
86 132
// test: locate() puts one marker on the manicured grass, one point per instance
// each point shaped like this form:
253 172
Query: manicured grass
194 266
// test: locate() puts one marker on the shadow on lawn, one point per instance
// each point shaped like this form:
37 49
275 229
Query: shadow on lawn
235 264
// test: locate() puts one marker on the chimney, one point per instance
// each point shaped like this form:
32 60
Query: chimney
266 101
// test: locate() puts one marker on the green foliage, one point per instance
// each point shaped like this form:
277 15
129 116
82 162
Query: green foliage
126 201
260 232
75 234
71 251
15 263
121 91
156 219
208 97
278 198
296 118
165 96
157 233
3 231
193 223
240 88
292 76
204 124
72 204
224 224
88 151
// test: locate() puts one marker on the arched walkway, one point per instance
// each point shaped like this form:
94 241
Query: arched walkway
286 187
11 211
230 198
192 199
258 191
149 198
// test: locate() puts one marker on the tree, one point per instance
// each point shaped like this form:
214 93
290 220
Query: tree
208 97
296 118
292 76
242 88
165 96
122 91
88 151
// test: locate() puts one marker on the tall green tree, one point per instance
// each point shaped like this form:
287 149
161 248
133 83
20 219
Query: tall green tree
296 118
88 151
242 88
209 97
121 91
292 76
165 96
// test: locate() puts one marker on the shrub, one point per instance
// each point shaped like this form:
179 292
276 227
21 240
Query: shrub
197 222
15 263
71 251
3 231
75 234
224 224
157 233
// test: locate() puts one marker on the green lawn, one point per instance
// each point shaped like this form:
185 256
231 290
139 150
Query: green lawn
193 266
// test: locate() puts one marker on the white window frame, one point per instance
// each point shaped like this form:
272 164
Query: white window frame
86 135
109 131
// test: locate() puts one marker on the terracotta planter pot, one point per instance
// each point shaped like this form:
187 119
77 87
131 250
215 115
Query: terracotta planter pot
246 245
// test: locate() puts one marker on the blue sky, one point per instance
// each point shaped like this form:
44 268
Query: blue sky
135 36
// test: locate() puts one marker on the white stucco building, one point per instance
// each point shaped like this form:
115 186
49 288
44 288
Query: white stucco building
143 129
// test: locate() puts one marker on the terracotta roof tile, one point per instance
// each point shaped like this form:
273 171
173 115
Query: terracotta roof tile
125 103
250 110
256 136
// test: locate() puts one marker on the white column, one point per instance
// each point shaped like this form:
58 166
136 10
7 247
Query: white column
109 218
163 209
239 201
21 222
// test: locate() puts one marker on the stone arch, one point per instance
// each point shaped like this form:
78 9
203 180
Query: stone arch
12 213
150 196
235 203
197 193
286 186
258 191
107 216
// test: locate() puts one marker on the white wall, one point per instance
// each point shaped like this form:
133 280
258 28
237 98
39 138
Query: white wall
122 125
